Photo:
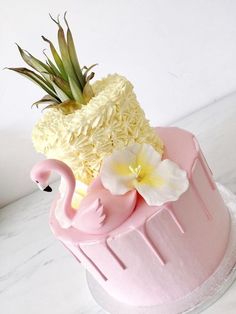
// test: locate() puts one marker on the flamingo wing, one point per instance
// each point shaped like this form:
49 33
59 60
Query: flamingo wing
91 218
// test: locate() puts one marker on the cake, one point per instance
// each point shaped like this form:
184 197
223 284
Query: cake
138 206
159 254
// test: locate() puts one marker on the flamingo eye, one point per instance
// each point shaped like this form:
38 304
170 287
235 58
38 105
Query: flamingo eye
37 181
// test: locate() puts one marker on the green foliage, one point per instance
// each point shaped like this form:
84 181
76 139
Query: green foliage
60 77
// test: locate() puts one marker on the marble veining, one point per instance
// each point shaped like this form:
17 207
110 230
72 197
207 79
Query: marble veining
37 274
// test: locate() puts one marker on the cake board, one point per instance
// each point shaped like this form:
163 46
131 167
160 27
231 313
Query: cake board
199 299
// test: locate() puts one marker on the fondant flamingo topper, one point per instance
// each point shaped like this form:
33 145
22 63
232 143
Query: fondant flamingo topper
99 211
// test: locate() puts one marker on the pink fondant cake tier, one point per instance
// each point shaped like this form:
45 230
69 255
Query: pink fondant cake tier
159 254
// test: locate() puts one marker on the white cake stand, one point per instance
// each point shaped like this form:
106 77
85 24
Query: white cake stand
196 301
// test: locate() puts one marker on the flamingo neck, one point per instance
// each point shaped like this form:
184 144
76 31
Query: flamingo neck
67 175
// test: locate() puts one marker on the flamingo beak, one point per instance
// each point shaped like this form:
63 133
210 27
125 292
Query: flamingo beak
42 187
48 189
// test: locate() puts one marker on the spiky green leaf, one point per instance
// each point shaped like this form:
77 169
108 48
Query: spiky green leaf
90 77
66 107
60 93
32 61
47 99
36 79
73 54
66 57
51 106
88 92
57 58
63 85
52 66
36 64
87 69
76 92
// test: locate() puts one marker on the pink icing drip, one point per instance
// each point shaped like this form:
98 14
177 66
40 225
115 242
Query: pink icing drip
114 255
76 257
169 209
89 260
204 166
203 205
142 231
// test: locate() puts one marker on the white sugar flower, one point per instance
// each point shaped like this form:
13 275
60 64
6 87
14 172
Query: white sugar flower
139 166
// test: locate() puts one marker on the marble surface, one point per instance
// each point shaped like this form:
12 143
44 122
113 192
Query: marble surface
37 275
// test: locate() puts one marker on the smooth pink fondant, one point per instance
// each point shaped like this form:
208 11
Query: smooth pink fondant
161 253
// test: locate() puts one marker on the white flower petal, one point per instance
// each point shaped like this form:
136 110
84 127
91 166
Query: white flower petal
115 173
146 156
173 183
139 166
175 177
152 195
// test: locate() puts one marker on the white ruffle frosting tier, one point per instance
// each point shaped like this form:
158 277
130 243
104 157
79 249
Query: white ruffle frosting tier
199 299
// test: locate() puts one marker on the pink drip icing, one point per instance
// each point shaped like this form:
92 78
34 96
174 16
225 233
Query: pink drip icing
203 205
204 164
169 209
206 170
142 231
89 260
76 257
114 255
208 214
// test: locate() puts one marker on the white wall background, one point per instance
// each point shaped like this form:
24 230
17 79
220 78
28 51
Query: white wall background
180 56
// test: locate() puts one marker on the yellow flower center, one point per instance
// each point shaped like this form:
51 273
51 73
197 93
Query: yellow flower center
143 170
143 175
136 171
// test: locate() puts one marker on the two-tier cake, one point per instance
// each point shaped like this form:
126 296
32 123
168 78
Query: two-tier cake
137 206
